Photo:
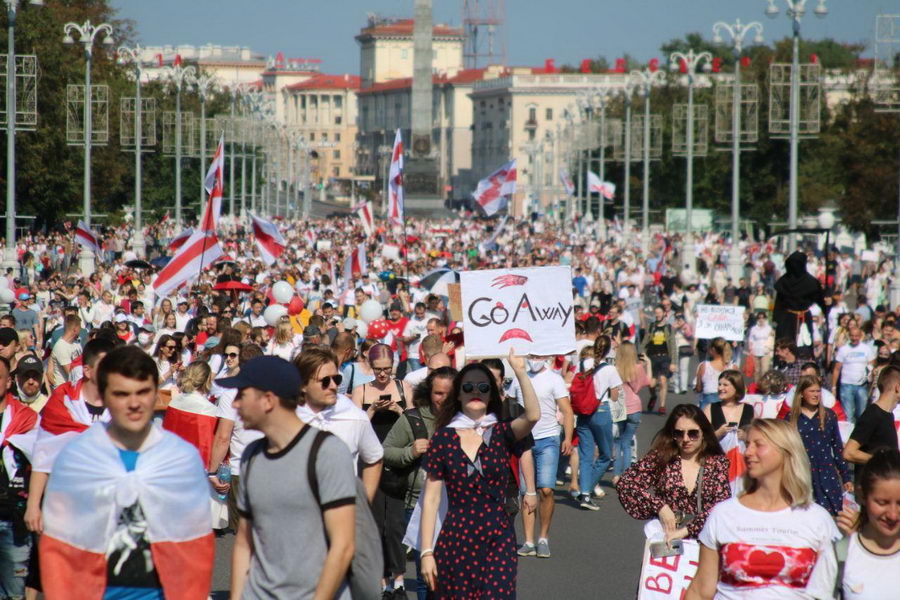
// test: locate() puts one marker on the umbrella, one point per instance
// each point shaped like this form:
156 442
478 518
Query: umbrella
237 286
159 261
138 264
436 281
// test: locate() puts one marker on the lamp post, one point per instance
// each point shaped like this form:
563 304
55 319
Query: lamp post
644 81
178 75
133 56
796 9
235 93
87 33
736 32
599 96
204 85
628 91
689 62
10 257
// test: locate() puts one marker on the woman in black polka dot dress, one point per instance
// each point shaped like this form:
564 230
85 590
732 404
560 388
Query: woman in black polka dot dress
475 553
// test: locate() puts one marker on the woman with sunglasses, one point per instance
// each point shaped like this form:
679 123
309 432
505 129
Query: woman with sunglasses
772 541
681 478
475 555
167 356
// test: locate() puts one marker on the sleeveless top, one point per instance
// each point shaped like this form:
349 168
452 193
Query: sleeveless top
710 378
383 420
718 415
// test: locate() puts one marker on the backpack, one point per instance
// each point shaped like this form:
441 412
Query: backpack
395 480
582 394
364 575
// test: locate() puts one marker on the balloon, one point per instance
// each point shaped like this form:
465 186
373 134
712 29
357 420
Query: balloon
362 329
370 310
378 329
4 283
282 292
273 313
296 306
7 296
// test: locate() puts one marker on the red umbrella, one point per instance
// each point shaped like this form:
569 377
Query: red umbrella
236 286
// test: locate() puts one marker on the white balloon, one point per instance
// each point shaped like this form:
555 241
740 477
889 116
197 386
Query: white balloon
282 292
362 329
272 314
7 296
370 311
4 283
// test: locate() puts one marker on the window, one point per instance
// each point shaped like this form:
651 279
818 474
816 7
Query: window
336 171
531 135
338 101
338 120
532 114
312 136
324 137
549 114
336 155
337 137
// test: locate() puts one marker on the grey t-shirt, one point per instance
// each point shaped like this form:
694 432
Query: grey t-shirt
289 546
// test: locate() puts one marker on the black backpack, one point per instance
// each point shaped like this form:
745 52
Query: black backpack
395 480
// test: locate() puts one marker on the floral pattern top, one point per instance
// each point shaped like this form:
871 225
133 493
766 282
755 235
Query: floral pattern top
644 489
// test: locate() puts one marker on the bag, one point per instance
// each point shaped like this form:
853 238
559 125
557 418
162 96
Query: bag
364 575
617 410
582 393
395 480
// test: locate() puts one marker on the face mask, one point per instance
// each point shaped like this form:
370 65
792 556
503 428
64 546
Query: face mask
144 338
534 364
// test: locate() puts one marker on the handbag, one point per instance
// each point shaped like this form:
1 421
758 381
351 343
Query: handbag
617 409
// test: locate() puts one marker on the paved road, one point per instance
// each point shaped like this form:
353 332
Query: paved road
596 555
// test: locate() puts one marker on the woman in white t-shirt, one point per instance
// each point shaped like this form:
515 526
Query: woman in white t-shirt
773 542
872 565
282 344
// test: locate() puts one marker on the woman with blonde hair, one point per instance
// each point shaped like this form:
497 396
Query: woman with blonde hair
190 414
718 360
282 345
772 541
633 373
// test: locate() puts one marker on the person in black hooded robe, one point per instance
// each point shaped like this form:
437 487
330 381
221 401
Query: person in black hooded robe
795 292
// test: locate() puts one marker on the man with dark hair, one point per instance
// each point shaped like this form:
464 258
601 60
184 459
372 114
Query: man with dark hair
9 343
158 500
65 350
875 427
786 351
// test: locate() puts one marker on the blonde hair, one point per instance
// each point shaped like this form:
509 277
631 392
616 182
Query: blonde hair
284 332
796 481
196 377
626 361
722 348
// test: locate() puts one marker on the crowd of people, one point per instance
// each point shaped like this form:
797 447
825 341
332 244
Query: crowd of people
353 420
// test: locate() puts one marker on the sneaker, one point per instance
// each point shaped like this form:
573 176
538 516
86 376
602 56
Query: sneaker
575 494
387 595
543 549
651 402
527 549
399 593
599 492
587 503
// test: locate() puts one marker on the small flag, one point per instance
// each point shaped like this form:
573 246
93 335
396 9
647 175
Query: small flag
200 249
606 188
395 183
179 240
214 184
364 211
355 265
567 182
493 192
87 238
269 240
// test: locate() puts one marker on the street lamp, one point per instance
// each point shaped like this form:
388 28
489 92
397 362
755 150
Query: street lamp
600 94
133 56
796 9
645 80
178 75
628 92
87 33
10 257
736 32
236 90
689 62
205 84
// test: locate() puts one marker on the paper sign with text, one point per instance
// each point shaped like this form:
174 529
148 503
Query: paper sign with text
668 578
526 309
714 321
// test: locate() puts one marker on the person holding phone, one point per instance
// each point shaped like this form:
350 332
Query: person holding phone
729 413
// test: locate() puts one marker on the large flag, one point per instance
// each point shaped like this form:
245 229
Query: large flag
606 188
179 240
18 430
395 183
269 240
493 192
193 418
214 184
567 182
355 265
199 250
64 416
87 238
366 216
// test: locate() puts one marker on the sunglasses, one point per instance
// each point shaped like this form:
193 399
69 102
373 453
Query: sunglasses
483 387
170 347
231 355
692 434
326 381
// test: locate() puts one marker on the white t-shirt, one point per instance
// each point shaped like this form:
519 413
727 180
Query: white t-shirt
549 388
351 424
870 576
854 362
414 327
240 437
782 555
63 354
414 378
606 378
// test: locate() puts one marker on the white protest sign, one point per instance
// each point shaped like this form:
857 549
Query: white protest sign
715 321
764 407
668 578
869 256
323 245
390 252
526 309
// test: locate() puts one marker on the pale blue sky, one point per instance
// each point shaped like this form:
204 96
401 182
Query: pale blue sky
567 30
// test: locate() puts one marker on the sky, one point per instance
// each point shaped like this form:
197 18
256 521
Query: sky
566 30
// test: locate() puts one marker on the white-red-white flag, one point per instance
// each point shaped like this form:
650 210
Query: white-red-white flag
87 238
606 188
355 265
567 182
366 216
395 183
269 240
493 192
200 250
214 185
179 240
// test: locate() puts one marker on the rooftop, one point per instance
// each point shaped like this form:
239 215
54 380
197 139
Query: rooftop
378 27
322 81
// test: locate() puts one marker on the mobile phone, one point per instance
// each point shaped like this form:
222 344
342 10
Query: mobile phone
733 424
664 550
385 398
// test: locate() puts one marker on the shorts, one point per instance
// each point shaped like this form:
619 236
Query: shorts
660 365
546 461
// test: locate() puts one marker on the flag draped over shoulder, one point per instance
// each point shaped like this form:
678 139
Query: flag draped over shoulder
493 192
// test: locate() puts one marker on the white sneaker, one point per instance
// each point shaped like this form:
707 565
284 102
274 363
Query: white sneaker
599 492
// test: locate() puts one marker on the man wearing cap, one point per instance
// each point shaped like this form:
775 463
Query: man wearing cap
29 376
26 317
277 507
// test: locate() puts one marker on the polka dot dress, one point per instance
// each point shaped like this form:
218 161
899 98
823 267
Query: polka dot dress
826 461
476 549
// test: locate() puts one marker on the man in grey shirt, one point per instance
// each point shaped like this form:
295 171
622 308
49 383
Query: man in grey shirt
280 550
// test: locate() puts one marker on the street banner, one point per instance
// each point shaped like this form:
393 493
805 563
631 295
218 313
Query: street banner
668 578
526 309
714 321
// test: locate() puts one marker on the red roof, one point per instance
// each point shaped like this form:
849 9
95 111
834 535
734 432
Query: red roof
462 77
404 27
321 81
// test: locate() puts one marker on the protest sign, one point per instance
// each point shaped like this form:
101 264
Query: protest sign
323 245
715 321
526 309
390 252
764 407
869 256
668 578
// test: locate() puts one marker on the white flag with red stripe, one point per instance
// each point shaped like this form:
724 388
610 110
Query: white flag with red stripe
493 192
199 250
87 238
355 265
179 240
606 188
269 240
567 182
366 216
395 183
214 184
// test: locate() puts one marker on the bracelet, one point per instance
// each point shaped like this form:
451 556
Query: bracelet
531 493
212 474
426 552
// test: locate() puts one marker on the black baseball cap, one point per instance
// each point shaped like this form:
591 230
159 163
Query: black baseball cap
8 335
268 374
29 364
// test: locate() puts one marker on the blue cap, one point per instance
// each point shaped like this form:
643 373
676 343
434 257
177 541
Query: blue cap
268 374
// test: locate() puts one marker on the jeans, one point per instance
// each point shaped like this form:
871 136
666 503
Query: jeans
627 429
413 364
13 563
854 399
594 430
422 591
546 461
707 399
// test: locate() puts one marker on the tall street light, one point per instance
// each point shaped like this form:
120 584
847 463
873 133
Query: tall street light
178 75
235 92
205 84
628 92
10 256
87 33
133 56
644 81
796 9
599 96
689 63
736 32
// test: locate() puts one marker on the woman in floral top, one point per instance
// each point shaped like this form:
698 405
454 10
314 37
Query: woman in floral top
666 479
